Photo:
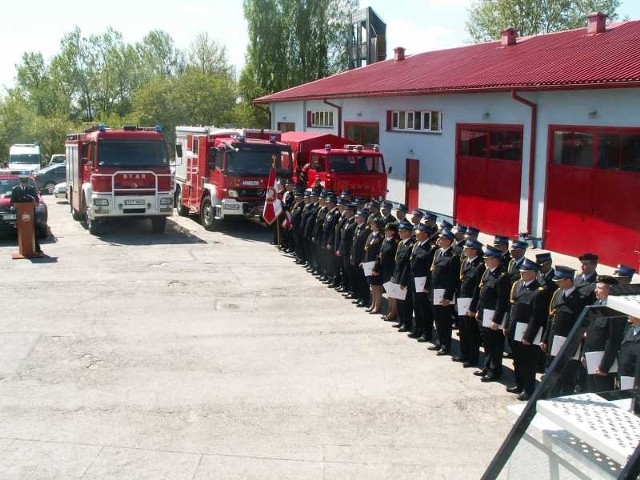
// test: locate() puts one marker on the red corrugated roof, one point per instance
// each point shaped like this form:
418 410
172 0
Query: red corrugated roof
561 60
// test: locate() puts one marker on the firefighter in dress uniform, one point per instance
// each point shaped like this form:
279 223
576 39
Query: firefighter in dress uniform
489 305
360 235
629 356
527 317
419 265
372 249
444 277
565 308
604 335
385 265
344 250
25 193
471 271
402 276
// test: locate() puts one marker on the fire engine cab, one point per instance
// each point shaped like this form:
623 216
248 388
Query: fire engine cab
336 164
223 172
119 173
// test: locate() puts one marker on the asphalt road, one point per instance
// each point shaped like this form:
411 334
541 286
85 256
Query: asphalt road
209 355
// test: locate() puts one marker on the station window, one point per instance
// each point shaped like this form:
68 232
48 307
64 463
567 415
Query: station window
495 142
415 121
597 147
322 118
286 126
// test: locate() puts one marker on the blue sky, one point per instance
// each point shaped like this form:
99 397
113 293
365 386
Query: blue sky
417 25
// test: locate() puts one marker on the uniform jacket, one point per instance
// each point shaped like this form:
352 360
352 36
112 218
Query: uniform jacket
445 272
493 294
525 308
390 219
329 227
346 237
309 220
296 216
458 247
360 235
372 246
581 281
514 269
629 352
386 262
605 334
26 195
317 228
420 261
470 275
402 272
564 312
337 237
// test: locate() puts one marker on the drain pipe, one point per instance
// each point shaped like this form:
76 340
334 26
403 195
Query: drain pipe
532 154
339 108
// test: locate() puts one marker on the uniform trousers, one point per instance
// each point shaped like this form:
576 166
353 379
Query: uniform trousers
423 323
470 339
525 358
442 316
405 310
493 350
597 383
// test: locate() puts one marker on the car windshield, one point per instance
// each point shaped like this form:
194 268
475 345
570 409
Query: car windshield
256 161
7 184
355 164
25 158
132 153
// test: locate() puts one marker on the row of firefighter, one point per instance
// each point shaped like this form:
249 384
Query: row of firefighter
438 278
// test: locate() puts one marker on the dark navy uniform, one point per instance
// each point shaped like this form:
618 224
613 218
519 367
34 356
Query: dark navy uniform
629 351
360 285
445 270
402 276
419 264
470 275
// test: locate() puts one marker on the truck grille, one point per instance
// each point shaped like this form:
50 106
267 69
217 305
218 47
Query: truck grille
251 192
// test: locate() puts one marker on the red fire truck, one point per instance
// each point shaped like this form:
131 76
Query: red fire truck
336 164
223 172
119 173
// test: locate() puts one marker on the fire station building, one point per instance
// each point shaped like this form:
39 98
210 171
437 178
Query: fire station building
537 135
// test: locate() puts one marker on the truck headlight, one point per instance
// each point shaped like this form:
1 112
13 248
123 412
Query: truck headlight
232 193
166 201
101 202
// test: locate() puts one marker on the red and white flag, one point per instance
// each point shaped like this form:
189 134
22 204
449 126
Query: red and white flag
269 212
287 223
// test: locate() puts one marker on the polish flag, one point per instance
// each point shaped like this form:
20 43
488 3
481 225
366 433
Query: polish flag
269 213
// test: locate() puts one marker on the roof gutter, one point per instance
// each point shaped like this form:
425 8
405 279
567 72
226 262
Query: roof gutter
339 108
532 155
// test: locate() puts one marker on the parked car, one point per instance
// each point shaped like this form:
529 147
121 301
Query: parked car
48 177
57 158
8 180
60 190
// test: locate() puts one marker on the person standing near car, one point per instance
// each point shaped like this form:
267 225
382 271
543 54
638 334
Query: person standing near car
25 193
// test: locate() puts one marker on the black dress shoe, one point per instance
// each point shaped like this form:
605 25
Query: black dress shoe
458 359
434 347
489 378
423 339
403 329
442 352
523 397
396 325
468 365
414 335
361 304
515 389
480 373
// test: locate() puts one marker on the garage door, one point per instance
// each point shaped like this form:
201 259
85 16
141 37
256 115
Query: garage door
592 202
488 175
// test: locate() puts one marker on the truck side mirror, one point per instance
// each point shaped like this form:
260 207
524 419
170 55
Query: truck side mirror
179 150
390 169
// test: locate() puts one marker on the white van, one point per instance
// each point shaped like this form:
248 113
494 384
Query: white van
25 157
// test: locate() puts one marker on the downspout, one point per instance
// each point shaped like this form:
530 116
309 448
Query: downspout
532 154
339 108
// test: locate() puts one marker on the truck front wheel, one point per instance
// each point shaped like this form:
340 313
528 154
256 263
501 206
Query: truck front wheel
158 224
75 214
93 225
182 210
207 214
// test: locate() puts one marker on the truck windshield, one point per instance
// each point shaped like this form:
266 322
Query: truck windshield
25 158
256 161
355 164
132 153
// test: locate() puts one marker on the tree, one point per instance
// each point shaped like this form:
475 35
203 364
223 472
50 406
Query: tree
208 56
293 42
488 18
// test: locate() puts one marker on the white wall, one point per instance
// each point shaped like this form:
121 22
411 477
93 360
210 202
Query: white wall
436 152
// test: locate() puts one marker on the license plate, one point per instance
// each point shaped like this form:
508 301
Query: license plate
134 201
9 216
251 183
232 206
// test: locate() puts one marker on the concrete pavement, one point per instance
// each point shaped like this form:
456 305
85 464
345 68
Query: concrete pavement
209 355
